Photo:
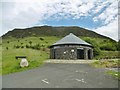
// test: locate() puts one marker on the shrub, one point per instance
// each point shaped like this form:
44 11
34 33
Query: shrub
8 41
44 49
42 45
30 42
7 48
96 49
41 39
27 46
16 46
118 46
46 42
22 46
108 47
21 43
37 46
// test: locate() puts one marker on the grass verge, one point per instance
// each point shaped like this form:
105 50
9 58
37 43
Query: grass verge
114 74
108 64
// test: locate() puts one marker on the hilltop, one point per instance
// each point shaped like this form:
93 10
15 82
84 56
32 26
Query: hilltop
52 31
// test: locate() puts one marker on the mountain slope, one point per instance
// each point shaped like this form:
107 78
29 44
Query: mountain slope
52 31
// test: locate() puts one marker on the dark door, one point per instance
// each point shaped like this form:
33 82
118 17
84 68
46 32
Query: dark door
89 54
54 54
80 54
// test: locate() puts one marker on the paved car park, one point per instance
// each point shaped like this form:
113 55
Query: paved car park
52 75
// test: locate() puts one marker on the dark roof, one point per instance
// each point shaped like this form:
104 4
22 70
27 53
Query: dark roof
71 39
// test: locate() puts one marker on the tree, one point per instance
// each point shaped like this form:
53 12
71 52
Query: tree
96 49
8 42
30 42
7 48
41 39
118 45
21 43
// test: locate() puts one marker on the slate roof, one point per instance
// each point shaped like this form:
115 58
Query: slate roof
71 39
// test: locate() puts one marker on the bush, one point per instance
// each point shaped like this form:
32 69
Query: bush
118 46
7 48
16 46
42 45
22 46
46 42
36 46
21 43
30 42
108 47
27 46
96 49
41 39
44 49
8 41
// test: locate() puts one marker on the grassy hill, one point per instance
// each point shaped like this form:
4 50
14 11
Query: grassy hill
34 43
52 31
18 47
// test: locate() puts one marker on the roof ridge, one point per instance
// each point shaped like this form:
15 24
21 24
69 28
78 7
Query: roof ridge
71 39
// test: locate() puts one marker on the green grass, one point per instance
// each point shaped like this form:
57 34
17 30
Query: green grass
10 64
114 74
35 57
0 59
109 54
106 63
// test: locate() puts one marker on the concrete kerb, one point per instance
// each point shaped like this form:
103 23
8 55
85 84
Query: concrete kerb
69 61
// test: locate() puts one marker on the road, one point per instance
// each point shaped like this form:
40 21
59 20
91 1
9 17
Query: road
60 76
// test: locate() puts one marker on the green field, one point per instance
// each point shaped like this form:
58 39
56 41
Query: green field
35 57
36 49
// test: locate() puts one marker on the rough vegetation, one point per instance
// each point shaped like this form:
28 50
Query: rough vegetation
52 31
109 64
33 48
114 74
34 43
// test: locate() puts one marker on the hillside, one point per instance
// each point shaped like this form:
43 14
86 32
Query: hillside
52 31
34 43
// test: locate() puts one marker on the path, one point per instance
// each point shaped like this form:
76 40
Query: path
61 76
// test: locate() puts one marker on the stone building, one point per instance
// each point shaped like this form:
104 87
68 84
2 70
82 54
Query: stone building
71 47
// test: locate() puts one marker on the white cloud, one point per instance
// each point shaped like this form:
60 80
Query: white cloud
109 14
27 13
110 30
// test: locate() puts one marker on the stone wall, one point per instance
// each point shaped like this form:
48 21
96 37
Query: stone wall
70 52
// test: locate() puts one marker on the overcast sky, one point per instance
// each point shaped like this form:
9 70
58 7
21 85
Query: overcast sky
100 16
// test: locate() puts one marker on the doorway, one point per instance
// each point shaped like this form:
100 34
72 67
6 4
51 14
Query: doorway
80 53
54 50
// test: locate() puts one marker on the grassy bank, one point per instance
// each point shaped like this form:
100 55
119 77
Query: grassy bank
35 56
35 49
108 64
10 64
114 74
0 59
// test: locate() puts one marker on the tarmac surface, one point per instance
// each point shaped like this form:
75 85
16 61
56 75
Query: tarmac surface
52 75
